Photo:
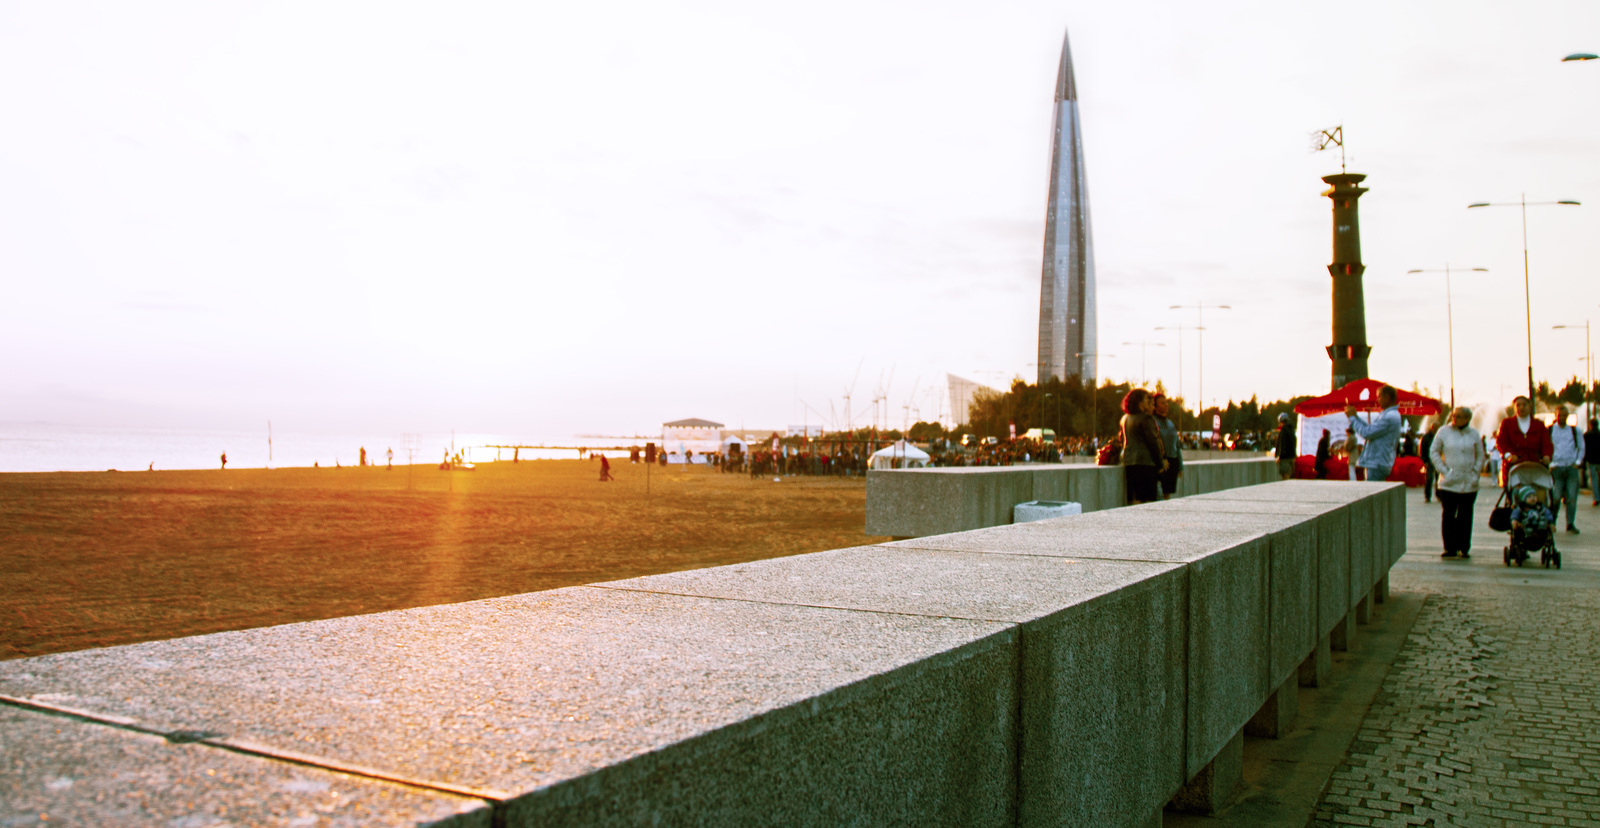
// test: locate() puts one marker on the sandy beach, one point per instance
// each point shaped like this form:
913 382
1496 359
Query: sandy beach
91 559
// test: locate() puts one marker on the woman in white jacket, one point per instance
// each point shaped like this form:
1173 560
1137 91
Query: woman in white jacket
1458 456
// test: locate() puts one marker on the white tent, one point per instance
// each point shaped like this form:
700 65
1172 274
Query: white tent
733 440
900 455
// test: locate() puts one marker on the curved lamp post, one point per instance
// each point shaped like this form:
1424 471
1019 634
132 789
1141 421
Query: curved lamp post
1200 308
1143 379
1180 329
1589 370
1527 301
1450 323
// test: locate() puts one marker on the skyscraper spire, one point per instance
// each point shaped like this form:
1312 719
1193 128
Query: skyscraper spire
1067 335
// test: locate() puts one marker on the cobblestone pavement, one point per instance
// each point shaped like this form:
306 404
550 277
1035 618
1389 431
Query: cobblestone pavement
1490 715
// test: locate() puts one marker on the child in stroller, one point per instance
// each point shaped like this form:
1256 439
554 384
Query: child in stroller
1530 527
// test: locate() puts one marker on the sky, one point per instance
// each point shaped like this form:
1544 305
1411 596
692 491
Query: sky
556 218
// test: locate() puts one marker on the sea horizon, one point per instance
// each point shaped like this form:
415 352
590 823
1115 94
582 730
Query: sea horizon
56 447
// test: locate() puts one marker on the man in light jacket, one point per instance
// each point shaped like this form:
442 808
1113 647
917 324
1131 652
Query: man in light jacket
1458 455
1566 456
1382 435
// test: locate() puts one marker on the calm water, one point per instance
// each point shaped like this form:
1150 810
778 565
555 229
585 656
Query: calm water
40 447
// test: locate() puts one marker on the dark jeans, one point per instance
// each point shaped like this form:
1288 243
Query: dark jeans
1428 475
1455 522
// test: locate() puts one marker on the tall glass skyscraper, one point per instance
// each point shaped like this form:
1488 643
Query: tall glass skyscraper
1067 336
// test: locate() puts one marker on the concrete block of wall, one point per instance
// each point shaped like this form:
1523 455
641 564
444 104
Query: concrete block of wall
1293 575
65 771
1102 710
588 706
1228 629
912 502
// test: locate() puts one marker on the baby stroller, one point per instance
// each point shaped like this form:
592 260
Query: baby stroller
1525 540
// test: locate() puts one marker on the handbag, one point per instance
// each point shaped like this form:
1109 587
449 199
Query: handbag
1500 515
1110 454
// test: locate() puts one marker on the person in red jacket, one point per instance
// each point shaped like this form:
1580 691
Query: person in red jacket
1522 438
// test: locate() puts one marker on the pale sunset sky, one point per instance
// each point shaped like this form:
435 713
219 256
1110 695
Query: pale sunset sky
547 218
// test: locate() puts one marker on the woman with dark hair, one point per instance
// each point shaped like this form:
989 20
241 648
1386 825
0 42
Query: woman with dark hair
1142 459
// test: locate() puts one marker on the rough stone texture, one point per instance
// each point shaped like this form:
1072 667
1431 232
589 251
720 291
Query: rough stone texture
914 502
57 770
1318 666
1309 491
1276 716
923 502
1229 648
1098 640
1333 569
1217 785
600 706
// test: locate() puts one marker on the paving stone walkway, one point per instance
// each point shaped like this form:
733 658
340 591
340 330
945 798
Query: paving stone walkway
1490 715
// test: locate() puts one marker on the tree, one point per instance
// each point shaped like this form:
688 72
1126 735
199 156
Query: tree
1572 392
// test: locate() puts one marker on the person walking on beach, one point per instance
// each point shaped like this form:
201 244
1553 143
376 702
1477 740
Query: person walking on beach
1566 455
1285 449
605 469
391 459
363 457
1382 435
224 459
1457 452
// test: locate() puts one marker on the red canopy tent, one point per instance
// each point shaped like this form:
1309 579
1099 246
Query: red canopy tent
1363 394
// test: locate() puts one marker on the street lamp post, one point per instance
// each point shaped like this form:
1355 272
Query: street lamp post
1143 379
1180 329
1527 300
1588 373
1094 400
1200 369
1450 323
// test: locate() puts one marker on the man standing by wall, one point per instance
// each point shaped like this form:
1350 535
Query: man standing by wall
1565 456
1285 450
1457 452
1382 435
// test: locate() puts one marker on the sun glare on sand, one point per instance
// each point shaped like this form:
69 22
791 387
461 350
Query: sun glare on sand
96 559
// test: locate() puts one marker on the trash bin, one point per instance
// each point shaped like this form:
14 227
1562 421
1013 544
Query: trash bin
1042 509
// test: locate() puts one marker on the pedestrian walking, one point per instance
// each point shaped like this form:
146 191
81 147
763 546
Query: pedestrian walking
1566 455
1285 448
1382 435
1521 438
605 469
1457 452
224 459
1591 458
1142 459
1429 474
1324 451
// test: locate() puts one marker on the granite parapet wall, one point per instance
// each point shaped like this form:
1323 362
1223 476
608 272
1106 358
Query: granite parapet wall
1074 671
914 503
